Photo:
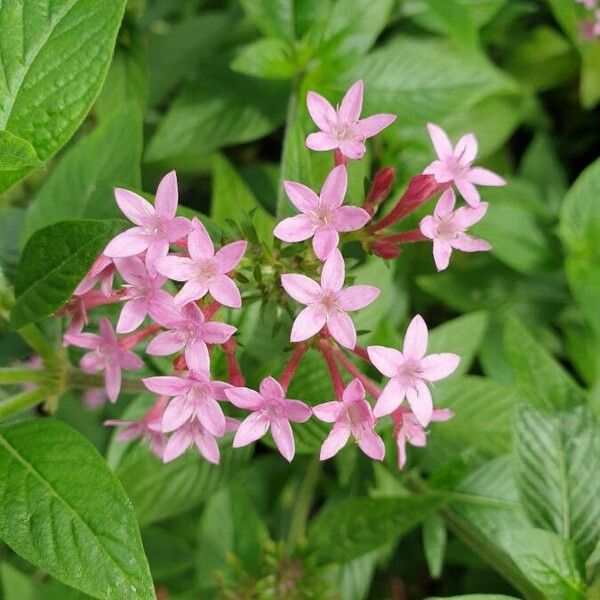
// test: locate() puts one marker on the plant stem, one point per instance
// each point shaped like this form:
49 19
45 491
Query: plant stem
37 341
368 384
83 381
22 401
404 237
334 372
292 365
10 375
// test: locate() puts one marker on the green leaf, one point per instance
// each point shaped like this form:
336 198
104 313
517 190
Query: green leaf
16 585
269 58
558 488
548 561
434 544
54 261
355 577
474 597
54 62
275 18
82 184
456 21
479 11
159 491
68 514
221 109
16 153
348 529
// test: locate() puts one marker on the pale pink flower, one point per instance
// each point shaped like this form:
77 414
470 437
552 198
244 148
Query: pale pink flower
354 417
407 429
446 227
590 4
342 128
103 271
156 226
189 330
270 409
194 395
193 432
148 427
106 355
322 216
455 165
94 398
143 293
77 306
204 270
328 303
410 371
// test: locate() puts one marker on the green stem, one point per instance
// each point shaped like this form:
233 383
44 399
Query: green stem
38 342
22 401
84 381
10 375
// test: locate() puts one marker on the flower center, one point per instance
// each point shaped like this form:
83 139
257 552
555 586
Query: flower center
410 372
155 226
358 418
206 270
446 230
322 215
329 301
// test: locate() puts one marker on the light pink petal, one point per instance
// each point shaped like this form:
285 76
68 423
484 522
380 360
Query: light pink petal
342 329
372 445
178 228
179 268
334 188
132 269
211 416
416 436
207 446
244 397
324 242
466 243
192 290
445 205
166 199
302 197
333 273
158 249
215 332
468 191
336 440
415 340
428 227
441 254
308 322
441 143
167 385
386 360
351 105
441 414
166 343
401 446
466 216
229 256
251 429
132 315
283 438
320 141
390 398
270 389
481 176
112 381
352 149
297 411
83 340
134 207
328 411
91 362
322 113
295 229
466 149
178 412
197 356
129 360
373 125
166 313
301 288
107 333
356 297
355 392
420 402
231 424
438 366
223 290
349 218
200 246
178 443
130 242
440 171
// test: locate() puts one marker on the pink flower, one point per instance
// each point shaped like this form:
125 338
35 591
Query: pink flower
342 128
410 371
454 164
195 395
352 416
94 398
102 271
446 227
270 409
328 303
588 3
205 271
408 429
322 216
143 293
189 330
148 427
193 432
156 226
106 355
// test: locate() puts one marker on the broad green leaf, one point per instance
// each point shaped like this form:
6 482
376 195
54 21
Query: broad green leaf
356 576
82 184
559 487
160 491
16 153
55 56
54 261
220 109
275 18
68 514
12 220
19 586
480 12
348 529
270 58
434 543
456 21
543 381
548 561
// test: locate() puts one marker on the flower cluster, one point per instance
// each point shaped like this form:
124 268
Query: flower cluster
590 27
173 281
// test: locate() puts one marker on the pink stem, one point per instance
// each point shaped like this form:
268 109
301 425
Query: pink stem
339 158
211 309
405 237
334 372
92 299
362 352
370 385
236 377
292 365
132 340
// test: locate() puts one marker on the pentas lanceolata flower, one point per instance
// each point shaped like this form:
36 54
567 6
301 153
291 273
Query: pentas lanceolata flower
172 281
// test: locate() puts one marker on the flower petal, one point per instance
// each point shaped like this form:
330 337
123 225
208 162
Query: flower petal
356 297
342 329
167 385
215 332
178 268
207 446
442 251
441 143
251 429
229 256
386 360
333 273
467 243
438 366
194 289
165 343
336 440
350 218
178 228
129 243
244 397
83 340
415 340
197 356
466 149
301 288
325 242
481 176
334 188
200 246
132 315
295 229
321 111
137 209
351 104
178 443
419 399
445 205
112 381
309 321
390 398
223 290
374 124
270 389
210 414
466 216
297 411
301 196
468 191
167 198
372 445
329 412
283 438
320 141
352 149
178 412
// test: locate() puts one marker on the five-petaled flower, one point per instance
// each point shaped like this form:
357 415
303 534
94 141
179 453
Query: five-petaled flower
328 303
342 129
351 416
455 165
446 227
270 409
410 371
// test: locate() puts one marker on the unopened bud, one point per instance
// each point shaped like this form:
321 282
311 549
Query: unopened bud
380 189
386 250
